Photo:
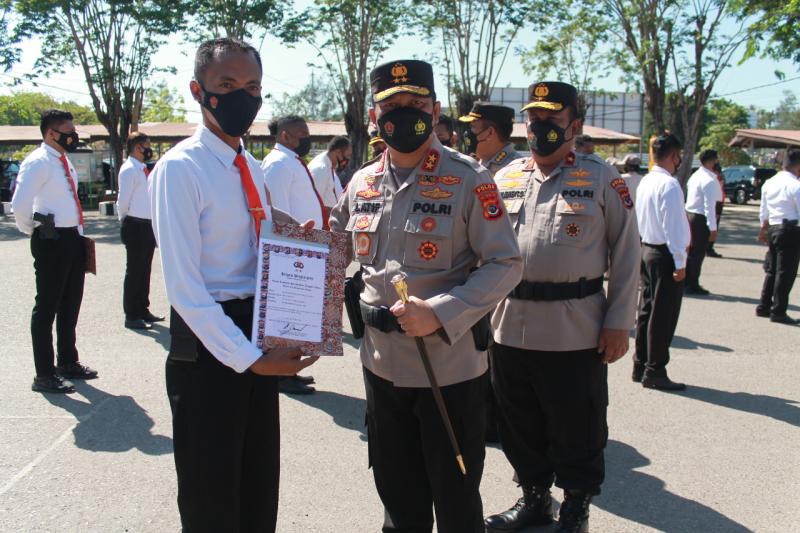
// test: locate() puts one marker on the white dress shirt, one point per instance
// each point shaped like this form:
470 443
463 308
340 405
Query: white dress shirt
702 194
632 180
325 179
132 198
660 213
42 187
290 185
780 198
204 229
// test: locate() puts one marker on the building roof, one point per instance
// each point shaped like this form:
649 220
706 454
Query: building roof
168 132
748 138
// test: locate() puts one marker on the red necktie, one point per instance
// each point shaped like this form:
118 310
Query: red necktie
72 186
253 199
146 172
319 198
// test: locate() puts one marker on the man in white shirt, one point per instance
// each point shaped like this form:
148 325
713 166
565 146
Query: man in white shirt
46 206
702 194
665 238
133 206
286 176
632 173
325 166
207 200
780 212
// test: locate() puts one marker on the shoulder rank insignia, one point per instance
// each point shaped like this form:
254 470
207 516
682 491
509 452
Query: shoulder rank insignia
368 194
449 180
436 193
579 183
619 185
501 156
580 173
431 161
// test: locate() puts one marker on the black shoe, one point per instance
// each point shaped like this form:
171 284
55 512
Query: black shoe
305 380
662 383
713 253
535 508
638 373
150 317
288 385
76 370
137 323
52 384
762 313
696 291
574 514
783 319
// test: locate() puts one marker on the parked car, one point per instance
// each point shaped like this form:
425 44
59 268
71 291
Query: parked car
743 182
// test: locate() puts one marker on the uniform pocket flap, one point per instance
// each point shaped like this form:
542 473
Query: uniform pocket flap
431 225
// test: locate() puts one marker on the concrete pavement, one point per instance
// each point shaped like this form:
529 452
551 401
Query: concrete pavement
721 457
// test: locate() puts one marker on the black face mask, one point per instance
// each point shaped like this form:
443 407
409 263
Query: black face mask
233 111
547 137
303 147
68 141
447 142
406 128
471 140
147 153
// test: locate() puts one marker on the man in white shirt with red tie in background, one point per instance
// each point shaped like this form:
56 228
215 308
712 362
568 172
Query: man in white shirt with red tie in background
133 208
665 237
702 194
325 167
208 201
293 191
46 207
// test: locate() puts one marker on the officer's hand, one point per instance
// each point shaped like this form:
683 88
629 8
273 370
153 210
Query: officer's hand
762 236
308 225
281 362
613 344
416 317
713 236
679 275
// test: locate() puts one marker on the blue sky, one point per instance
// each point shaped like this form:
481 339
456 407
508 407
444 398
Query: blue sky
287 70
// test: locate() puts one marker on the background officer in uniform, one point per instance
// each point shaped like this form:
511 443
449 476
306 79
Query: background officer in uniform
445 131
780 212
702 195
488 135
433 214
557 330
133 206
47 208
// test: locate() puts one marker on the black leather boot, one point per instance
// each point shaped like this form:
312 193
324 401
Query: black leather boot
535 508
574 514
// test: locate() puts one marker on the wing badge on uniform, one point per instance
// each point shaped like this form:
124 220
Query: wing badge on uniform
436 193
449 180
368 194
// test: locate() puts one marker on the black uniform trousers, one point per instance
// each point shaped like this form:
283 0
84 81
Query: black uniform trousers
140 244
780 267
226 436
413 462
552 413
60 266
697 251
659 308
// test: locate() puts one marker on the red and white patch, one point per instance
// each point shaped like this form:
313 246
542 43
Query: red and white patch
431 161
619 185
428 250
490 201
363 243
362 222
573 230
428 224
389 128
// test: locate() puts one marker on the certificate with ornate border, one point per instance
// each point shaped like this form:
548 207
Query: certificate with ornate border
300 289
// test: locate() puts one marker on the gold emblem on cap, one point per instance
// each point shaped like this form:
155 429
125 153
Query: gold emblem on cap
541 90
552 136
400 73
419 127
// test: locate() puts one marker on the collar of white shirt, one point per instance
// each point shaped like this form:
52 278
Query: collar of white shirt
217 146
136 163
286 151
710 173
661 170
50 150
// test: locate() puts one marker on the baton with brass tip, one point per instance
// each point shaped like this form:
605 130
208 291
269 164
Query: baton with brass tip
400 286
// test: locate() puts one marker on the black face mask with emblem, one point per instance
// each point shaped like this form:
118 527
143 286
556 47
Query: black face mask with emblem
405 128
233 111
548 137
68 141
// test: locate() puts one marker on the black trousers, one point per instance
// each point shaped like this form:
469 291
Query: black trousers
780 267
413 462
697 250
59 265
552 408
227 443
659 308
140 244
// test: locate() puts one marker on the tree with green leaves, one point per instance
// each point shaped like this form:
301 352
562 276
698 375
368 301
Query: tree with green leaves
318 100
476 37
9 51
111 41
722 119
24 108
162 104
349 36
240 19
774 31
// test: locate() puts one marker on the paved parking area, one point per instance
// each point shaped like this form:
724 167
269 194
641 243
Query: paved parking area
721 457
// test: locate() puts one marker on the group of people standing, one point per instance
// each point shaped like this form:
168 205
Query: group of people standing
522 241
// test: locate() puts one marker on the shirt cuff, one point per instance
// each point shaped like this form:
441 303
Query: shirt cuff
450 313
244 357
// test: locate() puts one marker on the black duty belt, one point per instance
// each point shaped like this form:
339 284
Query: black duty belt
549 292
137 219
379 317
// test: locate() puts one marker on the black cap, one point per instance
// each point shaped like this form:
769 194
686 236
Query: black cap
551 95
499 114
404 76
